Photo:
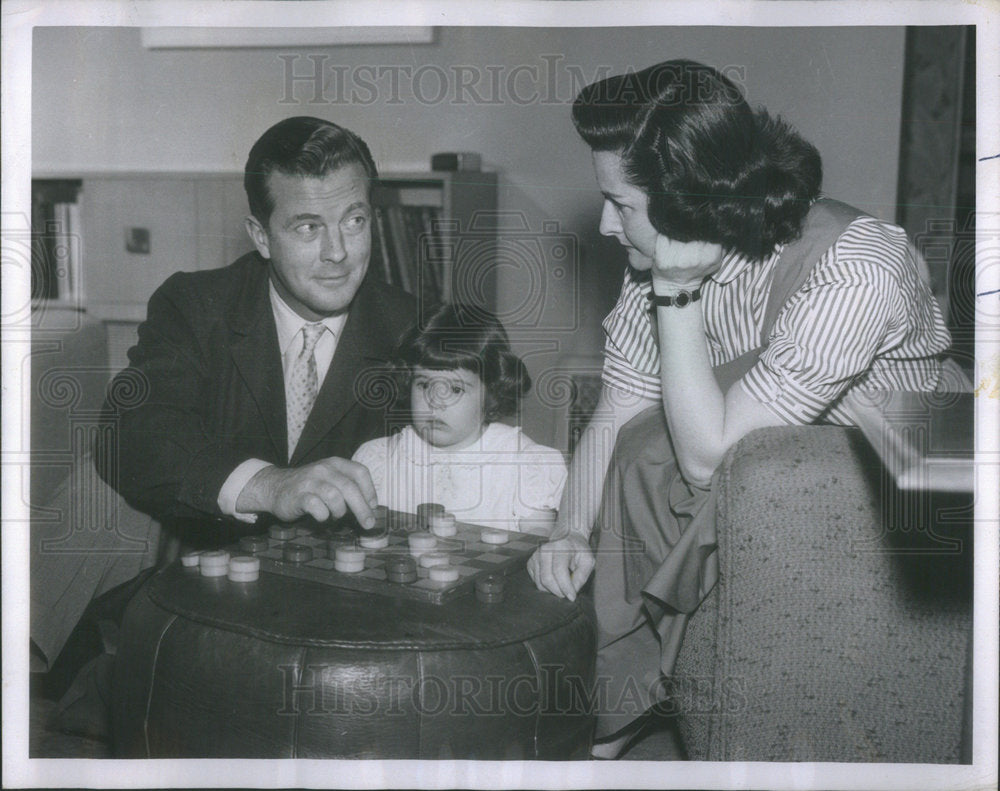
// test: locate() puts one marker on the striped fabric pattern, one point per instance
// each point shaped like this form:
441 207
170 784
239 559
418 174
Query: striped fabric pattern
863 320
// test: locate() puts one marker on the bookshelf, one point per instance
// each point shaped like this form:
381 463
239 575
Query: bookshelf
433 235
55 241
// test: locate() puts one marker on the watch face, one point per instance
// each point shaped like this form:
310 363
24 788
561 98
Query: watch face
682 299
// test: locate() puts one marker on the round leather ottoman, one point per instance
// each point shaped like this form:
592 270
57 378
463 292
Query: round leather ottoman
284 668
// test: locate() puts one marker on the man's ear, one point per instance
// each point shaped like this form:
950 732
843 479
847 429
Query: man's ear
258 235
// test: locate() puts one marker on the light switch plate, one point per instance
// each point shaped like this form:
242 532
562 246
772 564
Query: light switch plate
137 240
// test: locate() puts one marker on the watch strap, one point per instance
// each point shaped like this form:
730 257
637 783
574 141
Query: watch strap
679 300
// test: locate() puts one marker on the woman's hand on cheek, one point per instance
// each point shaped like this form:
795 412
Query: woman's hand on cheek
683 265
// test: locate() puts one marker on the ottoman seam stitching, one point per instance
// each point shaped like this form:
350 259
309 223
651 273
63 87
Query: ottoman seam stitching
152 681
538 678
374 644
420 709
295 722
398 645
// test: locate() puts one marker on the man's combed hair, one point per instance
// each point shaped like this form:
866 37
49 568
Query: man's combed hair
472 339
300 146
714 170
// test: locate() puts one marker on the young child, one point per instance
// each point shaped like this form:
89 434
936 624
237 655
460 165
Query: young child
460 377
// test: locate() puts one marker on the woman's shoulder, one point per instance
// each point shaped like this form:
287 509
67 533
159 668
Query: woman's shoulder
872 269
871 245
847 228
868 232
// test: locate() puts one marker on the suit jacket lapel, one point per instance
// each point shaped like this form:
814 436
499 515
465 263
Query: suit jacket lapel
363 343
254 344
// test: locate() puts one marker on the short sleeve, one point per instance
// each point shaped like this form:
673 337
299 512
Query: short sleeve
631 354
541 480
855 308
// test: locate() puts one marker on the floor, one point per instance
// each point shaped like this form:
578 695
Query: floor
658 742
44 741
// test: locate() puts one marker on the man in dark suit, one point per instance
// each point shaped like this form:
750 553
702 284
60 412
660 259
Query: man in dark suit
249 390
252 385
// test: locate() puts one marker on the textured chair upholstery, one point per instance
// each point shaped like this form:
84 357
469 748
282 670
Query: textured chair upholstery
840 629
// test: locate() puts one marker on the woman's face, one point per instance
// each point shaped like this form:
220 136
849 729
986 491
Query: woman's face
625 214
447 406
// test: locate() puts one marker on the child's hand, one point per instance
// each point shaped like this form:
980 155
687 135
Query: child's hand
683 265
562 566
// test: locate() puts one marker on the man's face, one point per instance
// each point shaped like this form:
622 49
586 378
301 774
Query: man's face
317 240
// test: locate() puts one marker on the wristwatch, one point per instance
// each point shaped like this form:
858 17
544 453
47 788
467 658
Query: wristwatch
678 300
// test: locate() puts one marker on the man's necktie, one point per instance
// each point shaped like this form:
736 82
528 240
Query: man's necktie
302 385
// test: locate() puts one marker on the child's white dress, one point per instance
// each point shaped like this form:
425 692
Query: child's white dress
503 477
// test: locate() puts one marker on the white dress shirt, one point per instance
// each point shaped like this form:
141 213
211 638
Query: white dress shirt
290 339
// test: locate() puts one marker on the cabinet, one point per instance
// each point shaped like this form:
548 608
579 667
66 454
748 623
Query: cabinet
434 235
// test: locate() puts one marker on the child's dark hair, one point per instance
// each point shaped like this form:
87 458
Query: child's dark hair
470 338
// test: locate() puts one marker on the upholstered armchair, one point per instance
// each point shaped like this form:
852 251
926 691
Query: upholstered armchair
841 627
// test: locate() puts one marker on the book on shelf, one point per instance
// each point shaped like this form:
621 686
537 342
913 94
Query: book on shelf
431 272
399 241
56 251
400 235
379 262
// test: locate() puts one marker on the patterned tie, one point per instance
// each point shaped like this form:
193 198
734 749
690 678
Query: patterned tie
303 384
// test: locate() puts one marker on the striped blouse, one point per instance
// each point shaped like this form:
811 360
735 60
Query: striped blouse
863 320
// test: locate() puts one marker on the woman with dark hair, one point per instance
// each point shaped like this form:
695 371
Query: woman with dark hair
750 301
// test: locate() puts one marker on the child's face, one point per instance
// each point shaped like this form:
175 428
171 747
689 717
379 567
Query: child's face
447 406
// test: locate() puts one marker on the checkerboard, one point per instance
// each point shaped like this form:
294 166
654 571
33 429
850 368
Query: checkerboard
469 555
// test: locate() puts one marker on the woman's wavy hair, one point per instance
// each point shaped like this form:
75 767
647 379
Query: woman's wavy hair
714 169
473 339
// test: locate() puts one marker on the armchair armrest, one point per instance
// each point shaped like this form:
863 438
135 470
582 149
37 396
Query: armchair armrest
817 644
